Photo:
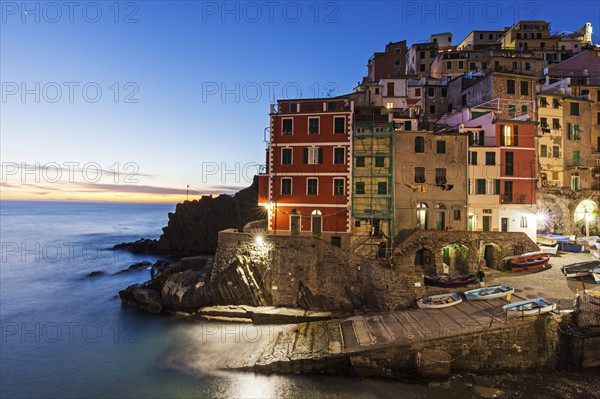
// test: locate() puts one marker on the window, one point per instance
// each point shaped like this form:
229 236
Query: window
312 186
575 109
510 86
473 158
339 155
555 103
555 151
444 92
432 109
490 158
313 125
440 147
544 123
407 125
524 88
313 155
332 106
598 118
294 107
360 162
440 176
509 164
421 54
379 162
523 109
286 186
431 92
509 136
286 126
543 150
389 105
421 67
339 124
523 221
598 145
360 187
432 53
286 156
543 102
576 159
512 110
419 174
419 144
338 186
555 123
417 92
457 214
497 186
381 188
573 132
448 65
508 191
472 66
575 181
480 186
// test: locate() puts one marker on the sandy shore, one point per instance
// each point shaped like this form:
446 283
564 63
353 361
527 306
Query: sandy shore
548 283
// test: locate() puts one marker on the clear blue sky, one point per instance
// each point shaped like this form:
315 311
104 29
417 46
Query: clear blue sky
168 119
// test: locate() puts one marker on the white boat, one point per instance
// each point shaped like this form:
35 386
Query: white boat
589 241
596 275
595 253
491 292
439 301
549 250
529 307
598 246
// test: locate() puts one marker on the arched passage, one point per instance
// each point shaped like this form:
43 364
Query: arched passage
585 217
491 255
425 261
456 256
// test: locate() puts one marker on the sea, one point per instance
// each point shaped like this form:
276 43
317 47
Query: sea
65 334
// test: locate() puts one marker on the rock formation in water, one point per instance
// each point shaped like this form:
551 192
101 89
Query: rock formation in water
194 226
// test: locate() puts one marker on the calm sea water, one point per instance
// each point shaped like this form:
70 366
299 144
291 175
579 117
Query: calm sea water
66 335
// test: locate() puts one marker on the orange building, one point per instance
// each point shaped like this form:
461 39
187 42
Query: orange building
306 187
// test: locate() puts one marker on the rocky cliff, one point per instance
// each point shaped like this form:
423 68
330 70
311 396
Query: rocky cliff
193 228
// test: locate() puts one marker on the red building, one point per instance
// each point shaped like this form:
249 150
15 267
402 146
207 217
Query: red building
306 188
388 64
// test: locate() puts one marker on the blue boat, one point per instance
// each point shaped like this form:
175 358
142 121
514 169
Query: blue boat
529 307
491 292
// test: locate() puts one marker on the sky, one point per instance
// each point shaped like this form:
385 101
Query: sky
162 101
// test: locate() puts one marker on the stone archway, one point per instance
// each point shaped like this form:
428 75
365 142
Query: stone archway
425 262
585 217
456 256
556 215
491 255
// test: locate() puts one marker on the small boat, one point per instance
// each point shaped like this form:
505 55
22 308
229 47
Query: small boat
589 241
491 292
598 246
528 261
450 281
579 269
549 250
543 240
594 293
529 307
567 247
439 301
595 254
596 275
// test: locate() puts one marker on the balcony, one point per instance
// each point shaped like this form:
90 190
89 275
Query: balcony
515 199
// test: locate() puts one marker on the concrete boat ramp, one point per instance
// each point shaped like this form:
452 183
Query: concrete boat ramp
362 342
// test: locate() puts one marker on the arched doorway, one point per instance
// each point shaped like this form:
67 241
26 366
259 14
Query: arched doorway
425 261
585 217
317 220
491 255
456 256
422 215
440 217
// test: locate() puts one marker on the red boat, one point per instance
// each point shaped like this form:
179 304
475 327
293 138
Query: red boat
528 262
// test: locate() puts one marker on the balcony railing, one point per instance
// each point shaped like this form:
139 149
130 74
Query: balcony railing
515 198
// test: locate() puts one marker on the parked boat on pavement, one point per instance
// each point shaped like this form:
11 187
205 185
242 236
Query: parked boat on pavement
549 250
596 275
450 281
529 307
491 292
439 301
528 261
580 269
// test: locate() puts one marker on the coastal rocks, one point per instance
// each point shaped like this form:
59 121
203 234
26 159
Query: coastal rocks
141 246
96 273
433 364
193 228
148 299
139 265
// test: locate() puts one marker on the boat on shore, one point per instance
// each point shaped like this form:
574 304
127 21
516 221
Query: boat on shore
549 250
594 293
568 247
528 261
450 281
543 240
595 254
491 292
580 269
439 301
529 307
596 275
